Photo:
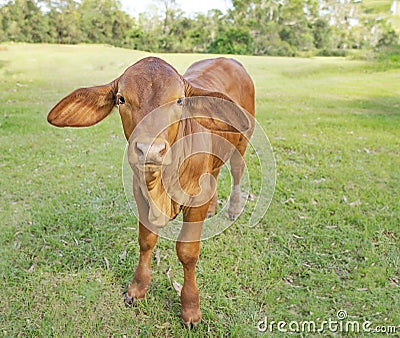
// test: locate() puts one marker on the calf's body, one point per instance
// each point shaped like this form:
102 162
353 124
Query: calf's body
181 130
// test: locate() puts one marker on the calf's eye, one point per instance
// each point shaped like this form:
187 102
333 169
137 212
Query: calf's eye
180 101
120 100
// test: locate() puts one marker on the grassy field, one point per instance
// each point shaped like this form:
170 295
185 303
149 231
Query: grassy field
330 240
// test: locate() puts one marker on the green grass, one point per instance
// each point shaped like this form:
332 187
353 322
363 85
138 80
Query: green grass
330 240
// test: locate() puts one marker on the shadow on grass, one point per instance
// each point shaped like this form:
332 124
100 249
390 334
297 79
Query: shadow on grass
3 63
387 107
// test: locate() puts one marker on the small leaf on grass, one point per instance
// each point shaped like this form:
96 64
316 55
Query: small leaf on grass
177 287
163 326
320 180
33 266
389 234
167 272
367 150
158 258
314 202
289 200
356 203
251 197
287 280
123 255
107 263
248 196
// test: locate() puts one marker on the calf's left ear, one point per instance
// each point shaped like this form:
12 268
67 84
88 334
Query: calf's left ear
84 107
218 112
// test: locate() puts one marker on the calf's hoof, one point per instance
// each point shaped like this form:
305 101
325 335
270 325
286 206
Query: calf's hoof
133 294
191 318
232 216
210 214
128 300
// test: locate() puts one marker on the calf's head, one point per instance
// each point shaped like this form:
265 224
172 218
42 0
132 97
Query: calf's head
150 85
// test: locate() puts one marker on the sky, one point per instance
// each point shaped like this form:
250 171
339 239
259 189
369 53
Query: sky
133 7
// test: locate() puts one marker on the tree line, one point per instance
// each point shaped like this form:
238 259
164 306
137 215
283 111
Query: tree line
258 27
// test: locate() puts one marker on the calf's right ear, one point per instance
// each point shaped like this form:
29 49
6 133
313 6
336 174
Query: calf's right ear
84 107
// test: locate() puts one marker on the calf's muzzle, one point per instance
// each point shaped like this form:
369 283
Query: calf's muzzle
145 153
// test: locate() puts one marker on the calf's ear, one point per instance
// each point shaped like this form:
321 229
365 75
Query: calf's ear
217 111
84 107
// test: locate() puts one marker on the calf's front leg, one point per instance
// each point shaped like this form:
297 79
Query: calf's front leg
141 280
188 254
188 250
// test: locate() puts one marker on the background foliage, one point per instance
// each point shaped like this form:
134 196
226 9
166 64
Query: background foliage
258 27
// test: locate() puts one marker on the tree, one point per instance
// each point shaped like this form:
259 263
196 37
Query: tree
205 29
22 20
64 17
295 27
232 41
97 20
260 27
322 32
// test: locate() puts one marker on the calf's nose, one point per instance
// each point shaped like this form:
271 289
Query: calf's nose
151 153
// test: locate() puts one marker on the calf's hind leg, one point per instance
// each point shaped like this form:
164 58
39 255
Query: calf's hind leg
214 200
141 280
237 168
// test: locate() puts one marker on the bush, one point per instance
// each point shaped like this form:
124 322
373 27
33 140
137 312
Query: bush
388 58
332 52
232 41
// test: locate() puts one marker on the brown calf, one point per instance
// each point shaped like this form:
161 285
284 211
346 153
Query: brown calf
181 130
